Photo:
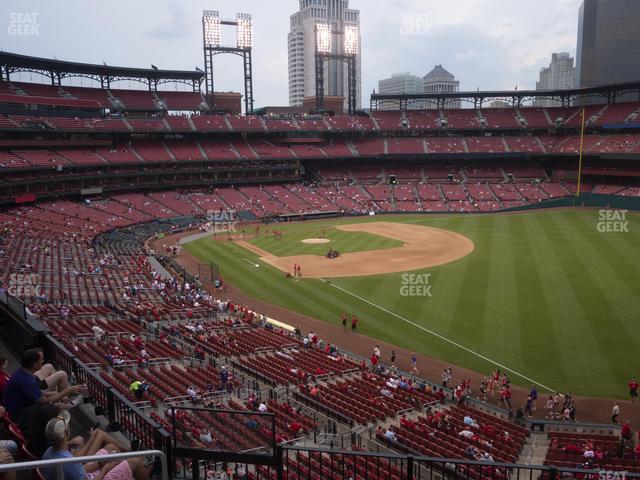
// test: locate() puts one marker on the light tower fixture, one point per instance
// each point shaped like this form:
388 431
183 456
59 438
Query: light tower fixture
351 40
211 28
323 37
244 30
212 45
349 43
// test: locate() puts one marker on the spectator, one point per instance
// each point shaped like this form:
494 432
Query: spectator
5 459
9 445
99 443
615 412
23 395
390 435
633 390
262 408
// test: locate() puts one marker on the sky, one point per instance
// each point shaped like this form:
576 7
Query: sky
486 44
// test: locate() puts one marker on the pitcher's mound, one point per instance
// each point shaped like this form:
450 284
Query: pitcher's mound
316 240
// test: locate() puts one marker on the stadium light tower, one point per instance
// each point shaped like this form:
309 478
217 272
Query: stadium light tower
212 45
350 43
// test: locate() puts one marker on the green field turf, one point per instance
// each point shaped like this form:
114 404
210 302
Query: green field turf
543 293
344 242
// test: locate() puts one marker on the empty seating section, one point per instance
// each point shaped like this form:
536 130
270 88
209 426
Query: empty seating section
109 125
423 120
146 205
404 193
244 150
36 89
147 124
379 192
485 144
531 192
535 117
500 118
430 193
462 119
97 94
370 146
280 125
312 198
179 123
560 115
182 100
176 202
152 151
388 120
362 172
81 157
338 147
480 192
41 158
404 173
262 203
343 123
524 144
118 154
487 173
248 123
266 149
616 113
616 144
308 151
184 149
400 145
210 123
286 197
590 112
454 192
312 124
445 145
218 150
135 99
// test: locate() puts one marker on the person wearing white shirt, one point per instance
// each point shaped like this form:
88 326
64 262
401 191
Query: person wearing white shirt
262 407
466 433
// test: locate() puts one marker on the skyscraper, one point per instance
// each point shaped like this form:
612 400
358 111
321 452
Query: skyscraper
608 49
439 80
559 75
301 46
401 83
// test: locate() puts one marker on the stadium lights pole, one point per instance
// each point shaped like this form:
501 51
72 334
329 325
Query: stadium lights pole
324 51
582 113
211 26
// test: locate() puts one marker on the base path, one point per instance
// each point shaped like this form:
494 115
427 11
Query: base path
423 247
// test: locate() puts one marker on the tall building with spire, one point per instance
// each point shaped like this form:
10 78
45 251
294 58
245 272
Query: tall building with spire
301 48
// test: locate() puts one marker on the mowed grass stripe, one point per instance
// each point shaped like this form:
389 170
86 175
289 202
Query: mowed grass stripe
582 312
538 295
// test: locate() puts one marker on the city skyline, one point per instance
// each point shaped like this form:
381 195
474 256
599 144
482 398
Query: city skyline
485 50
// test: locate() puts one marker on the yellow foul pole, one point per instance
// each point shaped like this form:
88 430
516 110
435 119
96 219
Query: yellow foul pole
580 158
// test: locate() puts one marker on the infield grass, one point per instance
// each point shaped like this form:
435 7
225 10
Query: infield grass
543 293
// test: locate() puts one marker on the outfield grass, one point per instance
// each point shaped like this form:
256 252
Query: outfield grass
544 293
344 242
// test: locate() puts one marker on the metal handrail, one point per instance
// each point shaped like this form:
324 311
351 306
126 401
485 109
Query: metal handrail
60 462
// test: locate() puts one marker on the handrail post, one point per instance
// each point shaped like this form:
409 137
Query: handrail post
409 467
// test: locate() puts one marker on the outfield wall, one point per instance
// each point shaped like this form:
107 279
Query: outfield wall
585 200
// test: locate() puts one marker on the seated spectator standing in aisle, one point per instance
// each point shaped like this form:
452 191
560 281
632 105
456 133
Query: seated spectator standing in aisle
23 395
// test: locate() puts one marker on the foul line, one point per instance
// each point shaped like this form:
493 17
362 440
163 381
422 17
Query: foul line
438 335
249 261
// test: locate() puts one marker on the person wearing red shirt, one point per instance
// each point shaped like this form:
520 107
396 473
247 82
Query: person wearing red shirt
633 390
625 433
295 427
344 321
354 323
374 362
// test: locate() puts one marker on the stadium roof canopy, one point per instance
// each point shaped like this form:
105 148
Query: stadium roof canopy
105 74
602 94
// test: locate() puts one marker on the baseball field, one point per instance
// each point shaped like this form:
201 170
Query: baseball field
553 296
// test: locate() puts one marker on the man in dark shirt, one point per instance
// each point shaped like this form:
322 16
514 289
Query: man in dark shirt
22 394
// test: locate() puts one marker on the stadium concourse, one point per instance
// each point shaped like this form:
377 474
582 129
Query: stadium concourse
88 175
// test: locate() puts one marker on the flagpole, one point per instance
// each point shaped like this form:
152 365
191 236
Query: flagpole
580 157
